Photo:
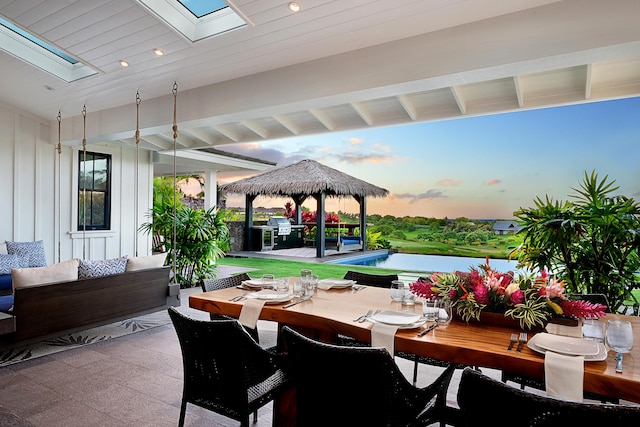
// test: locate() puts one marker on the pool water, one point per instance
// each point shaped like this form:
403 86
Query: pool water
425 263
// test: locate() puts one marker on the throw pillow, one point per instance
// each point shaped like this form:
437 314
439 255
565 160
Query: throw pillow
3 248
32 251
7 262
61 272
105 267
145 262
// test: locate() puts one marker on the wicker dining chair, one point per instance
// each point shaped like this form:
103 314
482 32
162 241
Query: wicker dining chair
478 395
384 281
357 386
225 370
377 280
524 381
229 282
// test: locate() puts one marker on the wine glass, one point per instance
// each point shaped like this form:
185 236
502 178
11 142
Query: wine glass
619 338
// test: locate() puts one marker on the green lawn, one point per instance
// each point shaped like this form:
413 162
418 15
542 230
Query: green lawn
285 268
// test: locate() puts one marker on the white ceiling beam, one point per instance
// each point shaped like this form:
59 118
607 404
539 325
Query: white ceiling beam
587 82
457 95
256 128
323 118
363 112
408 106
519 94
288 123
201 135
157 141
227 131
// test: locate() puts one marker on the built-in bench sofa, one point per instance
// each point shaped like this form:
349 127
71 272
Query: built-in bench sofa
53 309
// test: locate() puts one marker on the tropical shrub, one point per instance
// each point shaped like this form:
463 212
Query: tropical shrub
591 243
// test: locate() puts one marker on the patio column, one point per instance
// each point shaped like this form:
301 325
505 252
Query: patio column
248 221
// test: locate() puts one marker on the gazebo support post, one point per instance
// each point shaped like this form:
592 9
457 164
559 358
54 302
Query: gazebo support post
320 225
248 221
298 200
362 201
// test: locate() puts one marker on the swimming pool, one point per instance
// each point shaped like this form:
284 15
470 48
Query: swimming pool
425 263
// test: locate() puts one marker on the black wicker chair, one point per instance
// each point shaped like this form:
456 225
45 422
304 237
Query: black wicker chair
357 386
384 281
228 282
225 370
479 394
523 381
377 280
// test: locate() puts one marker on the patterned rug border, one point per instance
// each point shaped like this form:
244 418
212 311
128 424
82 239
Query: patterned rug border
82 338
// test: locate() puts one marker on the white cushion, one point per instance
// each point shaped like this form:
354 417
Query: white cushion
145 262
3 248
61 272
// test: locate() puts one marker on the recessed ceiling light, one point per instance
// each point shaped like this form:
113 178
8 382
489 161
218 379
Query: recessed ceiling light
158 52
124 63
294 6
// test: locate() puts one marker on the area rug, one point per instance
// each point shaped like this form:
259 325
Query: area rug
89 336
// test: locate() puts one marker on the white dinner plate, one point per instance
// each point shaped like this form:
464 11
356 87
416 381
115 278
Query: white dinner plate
256 283
271 297
591 350
416 324
395 317
335 283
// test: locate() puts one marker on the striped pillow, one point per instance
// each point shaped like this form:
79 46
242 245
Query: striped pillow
105 267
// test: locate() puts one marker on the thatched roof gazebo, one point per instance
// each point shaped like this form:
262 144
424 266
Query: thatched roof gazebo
299 181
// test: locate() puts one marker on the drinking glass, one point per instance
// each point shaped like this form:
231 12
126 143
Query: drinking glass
305 276
430 310
593 329
298 289
268 280
445 312
397 290
282 284
619 338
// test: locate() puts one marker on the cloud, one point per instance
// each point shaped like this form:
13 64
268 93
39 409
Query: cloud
428 195
494 181
355 140
381 147
449 182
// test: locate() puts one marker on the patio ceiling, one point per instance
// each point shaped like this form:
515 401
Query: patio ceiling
333 66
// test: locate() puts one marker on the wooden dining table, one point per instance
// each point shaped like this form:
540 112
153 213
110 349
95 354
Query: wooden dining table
332 312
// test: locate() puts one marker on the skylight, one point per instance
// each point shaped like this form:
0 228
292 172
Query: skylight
201 8
196 19
37 52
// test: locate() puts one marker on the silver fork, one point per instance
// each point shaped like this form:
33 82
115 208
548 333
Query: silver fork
512 341
364 315
239 297
368 316
523 339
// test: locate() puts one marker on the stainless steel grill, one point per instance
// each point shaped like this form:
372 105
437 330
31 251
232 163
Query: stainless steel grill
282 223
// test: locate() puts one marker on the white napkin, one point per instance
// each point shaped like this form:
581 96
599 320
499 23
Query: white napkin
327 284
383 335
250 312
567 331
564 376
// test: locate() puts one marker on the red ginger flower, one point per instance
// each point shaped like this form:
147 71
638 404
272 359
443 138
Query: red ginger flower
580 308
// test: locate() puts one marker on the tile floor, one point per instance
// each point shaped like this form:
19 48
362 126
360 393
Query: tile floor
135 380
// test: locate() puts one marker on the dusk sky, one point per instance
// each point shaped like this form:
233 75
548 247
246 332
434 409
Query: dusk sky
477 167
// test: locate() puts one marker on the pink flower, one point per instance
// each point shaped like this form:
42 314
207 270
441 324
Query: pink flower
481 294
555 289
517 297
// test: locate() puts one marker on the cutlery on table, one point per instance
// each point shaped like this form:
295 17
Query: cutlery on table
356 288
239 297
291 304
368 316
363 316
512 341
523 340
429 328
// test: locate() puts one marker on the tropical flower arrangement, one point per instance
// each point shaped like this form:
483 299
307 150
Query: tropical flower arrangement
530 298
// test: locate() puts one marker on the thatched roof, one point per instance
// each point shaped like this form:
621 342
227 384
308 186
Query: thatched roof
307 177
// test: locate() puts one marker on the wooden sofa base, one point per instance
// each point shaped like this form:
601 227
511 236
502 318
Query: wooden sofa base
54 309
